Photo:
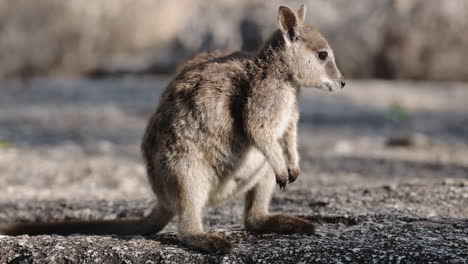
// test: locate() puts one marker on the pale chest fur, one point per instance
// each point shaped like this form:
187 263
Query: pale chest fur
286 111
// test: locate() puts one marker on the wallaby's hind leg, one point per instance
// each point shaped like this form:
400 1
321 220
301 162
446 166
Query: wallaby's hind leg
257 217
191 201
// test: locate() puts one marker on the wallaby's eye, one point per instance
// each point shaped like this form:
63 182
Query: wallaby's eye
322 55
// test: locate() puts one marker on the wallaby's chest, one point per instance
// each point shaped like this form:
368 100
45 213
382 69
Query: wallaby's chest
286 111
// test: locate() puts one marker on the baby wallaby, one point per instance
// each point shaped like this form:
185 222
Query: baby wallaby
225 125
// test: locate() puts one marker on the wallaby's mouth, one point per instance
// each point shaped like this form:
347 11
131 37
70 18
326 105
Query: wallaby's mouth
323 86
333 85
329 85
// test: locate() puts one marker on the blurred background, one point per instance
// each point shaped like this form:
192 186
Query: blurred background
79 80
391 39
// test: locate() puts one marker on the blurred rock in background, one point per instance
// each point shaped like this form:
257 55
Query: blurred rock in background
403 39
76 37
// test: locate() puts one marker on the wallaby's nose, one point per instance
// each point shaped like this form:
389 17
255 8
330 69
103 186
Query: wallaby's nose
343 83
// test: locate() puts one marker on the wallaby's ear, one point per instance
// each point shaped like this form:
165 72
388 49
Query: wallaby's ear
288 23
301 13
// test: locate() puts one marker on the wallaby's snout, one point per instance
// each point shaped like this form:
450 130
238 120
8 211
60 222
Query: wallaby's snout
310 56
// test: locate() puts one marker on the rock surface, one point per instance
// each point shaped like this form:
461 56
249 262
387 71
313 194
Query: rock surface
70 151
390 237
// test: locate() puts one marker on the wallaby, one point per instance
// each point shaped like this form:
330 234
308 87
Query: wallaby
225 125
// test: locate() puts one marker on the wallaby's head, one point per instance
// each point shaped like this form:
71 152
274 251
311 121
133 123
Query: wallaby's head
307 52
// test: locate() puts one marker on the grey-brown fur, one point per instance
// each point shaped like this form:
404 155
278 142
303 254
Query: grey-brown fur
226 125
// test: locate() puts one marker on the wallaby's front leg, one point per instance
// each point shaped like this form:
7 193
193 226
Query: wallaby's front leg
273 152
264 117
290 150
261 132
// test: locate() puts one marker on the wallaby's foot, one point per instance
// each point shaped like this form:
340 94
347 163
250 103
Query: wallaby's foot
280 223
210 243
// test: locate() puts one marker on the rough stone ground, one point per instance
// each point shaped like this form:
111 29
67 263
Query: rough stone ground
69 150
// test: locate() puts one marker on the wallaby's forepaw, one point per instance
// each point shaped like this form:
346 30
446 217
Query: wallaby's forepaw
282 223
293 173
282 180
207 242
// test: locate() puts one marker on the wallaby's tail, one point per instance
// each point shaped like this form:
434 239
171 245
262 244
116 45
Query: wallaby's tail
150 224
